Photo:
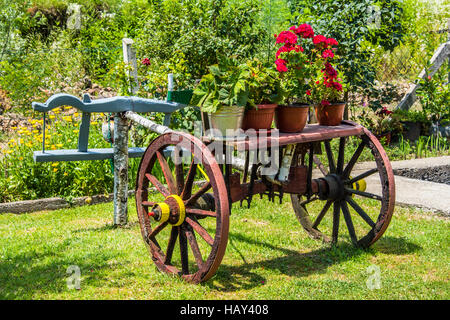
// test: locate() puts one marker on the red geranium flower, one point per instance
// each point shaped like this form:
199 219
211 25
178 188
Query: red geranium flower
287 48
304 30
281 65
332 42
337 86
287 37
320 41
308 92
384 111
327 54
325 103
146 61
331 72
299 48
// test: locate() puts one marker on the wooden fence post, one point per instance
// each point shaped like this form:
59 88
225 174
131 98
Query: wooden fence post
129 57
120 169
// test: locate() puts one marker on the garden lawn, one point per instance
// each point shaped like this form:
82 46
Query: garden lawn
269 256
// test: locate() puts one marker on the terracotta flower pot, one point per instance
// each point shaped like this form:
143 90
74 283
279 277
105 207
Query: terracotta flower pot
260 117
291 118
330 115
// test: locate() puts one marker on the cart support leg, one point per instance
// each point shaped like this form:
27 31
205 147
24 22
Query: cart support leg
120 169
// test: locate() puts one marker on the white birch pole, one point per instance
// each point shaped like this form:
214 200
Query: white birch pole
120 169
129 57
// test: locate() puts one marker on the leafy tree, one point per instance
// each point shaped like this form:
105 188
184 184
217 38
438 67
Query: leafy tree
202 30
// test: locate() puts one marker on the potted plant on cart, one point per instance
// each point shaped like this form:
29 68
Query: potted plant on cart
222 95
264 94
326 87
297 63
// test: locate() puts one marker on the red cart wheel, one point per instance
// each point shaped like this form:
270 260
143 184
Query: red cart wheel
347 186
192 211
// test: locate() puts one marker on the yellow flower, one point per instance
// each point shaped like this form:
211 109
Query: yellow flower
55 169
59 145
35 131
20 140
53 147
14 128
65 173
70 140
51 116
54 164
29 144
9 151
20 158
94 122
75 131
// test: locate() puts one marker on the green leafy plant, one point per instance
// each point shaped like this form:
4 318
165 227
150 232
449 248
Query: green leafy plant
434 96
263 84
224 85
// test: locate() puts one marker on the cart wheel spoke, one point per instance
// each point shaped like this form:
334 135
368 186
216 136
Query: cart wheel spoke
171 244
340 162
179 171
360 211
353 159
148 203
362 176
364 194
200 212
348 221
322 214
198 194
167 172
320 165
190 235
336 214
158 185
330 157
187 189
305 202
200 230
157 230
183 251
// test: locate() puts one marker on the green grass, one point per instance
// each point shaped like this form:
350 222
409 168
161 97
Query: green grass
269 256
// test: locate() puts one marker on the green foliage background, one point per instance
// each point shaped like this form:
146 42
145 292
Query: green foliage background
40 56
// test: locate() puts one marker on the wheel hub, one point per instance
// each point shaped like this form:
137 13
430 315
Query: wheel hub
171 210
335 187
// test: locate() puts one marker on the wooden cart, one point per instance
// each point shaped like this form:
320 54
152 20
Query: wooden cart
197 180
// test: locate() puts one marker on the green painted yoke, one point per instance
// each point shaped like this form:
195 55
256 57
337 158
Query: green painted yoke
88 106
113 105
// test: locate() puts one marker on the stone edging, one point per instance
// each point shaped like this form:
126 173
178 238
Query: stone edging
54 203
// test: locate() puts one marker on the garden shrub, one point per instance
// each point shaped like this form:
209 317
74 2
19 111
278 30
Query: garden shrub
24 179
